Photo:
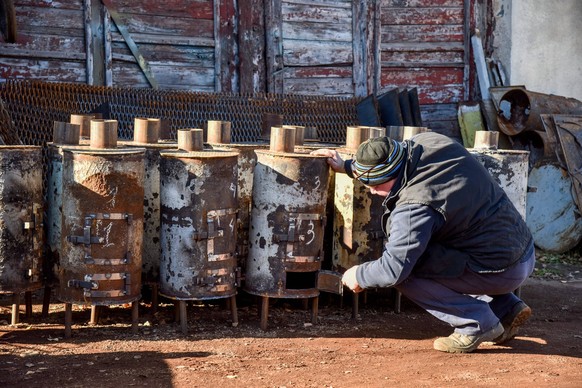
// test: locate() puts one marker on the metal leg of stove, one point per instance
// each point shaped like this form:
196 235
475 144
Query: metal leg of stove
68 319
264 312
155 301
15 308
305 304
176 311
234 311
183 317
46 301
397 301
314 309
355 305
95 310
28 304
134 316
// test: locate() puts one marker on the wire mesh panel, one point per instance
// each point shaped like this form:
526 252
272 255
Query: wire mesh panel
33 106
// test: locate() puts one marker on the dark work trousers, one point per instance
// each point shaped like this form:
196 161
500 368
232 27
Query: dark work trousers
472 303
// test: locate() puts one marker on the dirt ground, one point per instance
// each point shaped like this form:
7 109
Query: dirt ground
378 349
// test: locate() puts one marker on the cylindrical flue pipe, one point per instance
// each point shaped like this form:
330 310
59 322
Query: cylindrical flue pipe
283 139
191 140
103 134
520 110
66 133
146 130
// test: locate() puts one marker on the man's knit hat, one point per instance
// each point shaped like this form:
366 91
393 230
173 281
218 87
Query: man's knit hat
378 160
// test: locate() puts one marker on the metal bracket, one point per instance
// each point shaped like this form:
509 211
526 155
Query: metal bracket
90 284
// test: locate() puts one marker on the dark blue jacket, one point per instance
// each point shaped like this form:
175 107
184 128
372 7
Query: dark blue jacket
445 213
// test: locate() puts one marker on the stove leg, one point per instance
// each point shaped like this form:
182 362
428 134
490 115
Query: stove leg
155 301
28 303
95 310
68 319
397 301
176 311
46 301
234 311
314 309
355 305
15 309
134 316
183 317
264 312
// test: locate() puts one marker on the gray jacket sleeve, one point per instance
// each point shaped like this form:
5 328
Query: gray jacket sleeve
411 228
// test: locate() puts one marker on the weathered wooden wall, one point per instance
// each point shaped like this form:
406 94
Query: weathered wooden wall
312 47
424 44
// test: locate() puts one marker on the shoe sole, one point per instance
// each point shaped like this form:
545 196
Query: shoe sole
513 328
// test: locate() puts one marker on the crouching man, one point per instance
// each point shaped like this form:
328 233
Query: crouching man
456 245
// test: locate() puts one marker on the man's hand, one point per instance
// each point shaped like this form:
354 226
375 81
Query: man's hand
333 159
349 280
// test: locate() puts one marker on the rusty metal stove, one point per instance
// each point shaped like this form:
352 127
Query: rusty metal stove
146 134
102 226
21 231
219 139
288 217
199 205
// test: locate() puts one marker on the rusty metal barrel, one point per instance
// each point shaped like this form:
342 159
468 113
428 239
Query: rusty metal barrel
199 205
509 168
247 159
287 224
21 212
146 136
102 229
358 235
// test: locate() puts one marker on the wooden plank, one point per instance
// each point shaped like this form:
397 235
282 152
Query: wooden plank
169 77
317 31
42 70
414 46
422 58
10 51
422 3
324 86
274 46
414 16
27 17
308 13
165 39
226 47
154 24
192 9
66 4
32 42
197 56
252 46
319 72
426 33
300 53
422 76
359 45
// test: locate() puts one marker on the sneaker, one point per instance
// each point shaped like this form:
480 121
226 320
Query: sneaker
511 322
462 343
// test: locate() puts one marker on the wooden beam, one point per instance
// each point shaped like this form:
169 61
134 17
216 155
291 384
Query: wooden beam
251 32
226 49
274 49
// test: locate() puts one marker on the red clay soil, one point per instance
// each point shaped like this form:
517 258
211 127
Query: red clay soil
378 349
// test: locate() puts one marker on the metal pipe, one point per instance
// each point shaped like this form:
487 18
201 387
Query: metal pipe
191 140
103 134
356 136
146 130
66 133
219 132
84 121
283 139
